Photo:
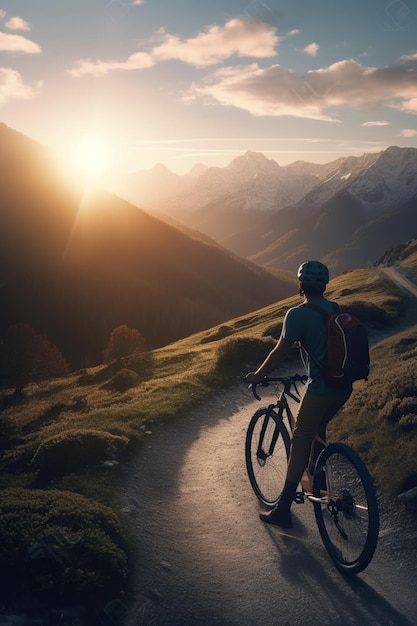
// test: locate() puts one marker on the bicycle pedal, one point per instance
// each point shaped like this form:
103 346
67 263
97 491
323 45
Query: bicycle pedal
299 497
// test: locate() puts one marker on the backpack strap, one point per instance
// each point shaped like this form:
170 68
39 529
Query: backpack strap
310 305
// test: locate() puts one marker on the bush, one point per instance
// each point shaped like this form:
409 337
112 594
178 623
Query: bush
60 543
72 450
219 333
236 355
27 356
402 412
122 381
123 342
273 331
368 312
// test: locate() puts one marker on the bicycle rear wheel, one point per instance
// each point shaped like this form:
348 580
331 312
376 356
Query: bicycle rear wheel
349 522
267 449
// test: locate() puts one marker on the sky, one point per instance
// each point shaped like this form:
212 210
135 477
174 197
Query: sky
182 82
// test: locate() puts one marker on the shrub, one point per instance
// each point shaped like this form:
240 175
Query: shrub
122 381
27 356
406 346
235 355
72 450
273 331
123 341
219 333
369 313
60 543
401 411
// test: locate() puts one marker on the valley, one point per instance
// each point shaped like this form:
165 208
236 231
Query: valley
346 212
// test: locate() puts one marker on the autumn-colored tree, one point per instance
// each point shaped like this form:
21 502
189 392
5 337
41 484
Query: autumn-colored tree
28 356
123 341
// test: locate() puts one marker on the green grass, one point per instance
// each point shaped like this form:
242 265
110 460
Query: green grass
380 420
56 439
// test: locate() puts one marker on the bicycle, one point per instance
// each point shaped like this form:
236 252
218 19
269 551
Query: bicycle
337 483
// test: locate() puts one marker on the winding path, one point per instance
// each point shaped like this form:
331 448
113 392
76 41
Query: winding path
205 558
401 280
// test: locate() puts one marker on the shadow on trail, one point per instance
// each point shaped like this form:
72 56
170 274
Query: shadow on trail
298 565
168 534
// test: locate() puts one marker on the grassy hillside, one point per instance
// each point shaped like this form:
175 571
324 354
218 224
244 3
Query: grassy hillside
340 232
61 445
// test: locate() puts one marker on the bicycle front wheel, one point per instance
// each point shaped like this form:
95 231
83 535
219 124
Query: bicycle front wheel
349 522
267 450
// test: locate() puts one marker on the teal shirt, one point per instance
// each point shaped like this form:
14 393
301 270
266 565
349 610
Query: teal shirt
302 324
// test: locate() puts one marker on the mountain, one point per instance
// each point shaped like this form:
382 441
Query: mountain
345 212
76 263
150 188
378 181
365 205
250 182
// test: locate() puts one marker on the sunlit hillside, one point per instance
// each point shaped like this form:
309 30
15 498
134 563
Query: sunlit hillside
76 262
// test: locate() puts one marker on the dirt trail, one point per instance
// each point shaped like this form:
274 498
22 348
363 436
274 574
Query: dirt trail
205 558
401 280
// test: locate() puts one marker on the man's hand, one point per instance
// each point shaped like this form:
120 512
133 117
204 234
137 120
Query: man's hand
252 378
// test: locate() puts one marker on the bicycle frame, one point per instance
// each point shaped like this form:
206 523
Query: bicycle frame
278 409
282 403
339 487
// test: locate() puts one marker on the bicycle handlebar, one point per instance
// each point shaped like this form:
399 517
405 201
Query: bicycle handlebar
286 381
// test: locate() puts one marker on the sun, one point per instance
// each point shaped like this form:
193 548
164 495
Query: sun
92 158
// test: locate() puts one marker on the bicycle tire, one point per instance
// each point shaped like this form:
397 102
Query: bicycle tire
349 523
266 459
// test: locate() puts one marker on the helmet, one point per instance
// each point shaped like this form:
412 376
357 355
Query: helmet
313 274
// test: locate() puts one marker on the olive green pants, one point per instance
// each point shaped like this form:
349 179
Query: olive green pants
314 414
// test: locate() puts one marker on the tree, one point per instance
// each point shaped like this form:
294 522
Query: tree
123 341
30 357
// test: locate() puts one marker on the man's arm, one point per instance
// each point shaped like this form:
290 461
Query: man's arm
272 361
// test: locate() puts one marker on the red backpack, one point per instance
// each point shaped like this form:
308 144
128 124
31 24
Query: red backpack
347 348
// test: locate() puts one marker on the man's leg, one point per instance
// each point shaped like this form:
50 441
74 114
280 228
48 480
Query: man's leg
314 411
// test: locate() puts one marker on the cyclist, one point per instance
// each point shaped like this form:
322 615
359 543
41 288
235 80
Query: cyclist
320 403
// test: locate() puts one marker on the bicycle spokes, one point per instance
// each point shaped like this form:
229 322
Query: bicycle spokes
348 520
266 451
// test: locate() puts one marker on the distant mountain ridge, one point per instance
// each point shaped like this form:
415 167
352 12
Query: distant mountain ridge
75 264
277 216
252 173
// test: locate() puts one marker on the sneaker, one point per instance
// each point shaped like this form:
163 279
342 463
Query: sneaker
277 518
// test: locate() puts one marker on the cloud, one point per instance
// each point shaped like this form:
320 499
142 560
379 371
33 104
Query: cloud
274 91
137 3
410 106
293 32
17 43
408 132
238 37
312 49
277 91
17 23
12 86
3 14
88 67
409 57
249 38
382 123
